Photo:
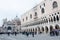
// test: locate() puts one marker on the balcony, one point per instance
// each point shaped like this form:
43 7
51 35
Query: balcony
35 17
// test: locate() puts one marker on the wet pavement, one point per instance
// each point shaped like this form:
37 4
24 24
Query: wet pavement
24 37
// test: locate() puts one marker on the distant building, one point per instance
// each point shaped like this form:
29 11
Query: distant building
17 22
12 25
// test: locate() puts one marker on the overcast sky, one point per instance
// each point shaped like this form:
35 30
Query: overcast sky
10 8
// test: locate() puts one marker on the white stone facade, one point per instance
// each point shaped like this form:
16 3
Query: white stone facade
45 15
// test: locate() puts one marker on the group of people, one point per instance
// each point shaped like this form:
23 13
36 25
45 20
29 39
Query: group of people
29 33
8 33
55 32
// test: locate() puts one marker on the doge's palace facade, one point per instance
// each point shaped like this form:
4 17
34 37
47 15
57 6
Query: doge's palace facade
44 17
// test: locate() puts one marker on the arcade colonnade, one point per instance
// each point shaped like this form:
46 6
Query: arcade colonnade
46 25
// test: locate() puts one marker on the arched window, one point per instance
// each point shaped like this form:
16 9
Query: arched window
54 18
30 15
51 19
51 28
26 18
57 18
23 20
42 10
46 20
33 30
42 29
55 4
56 26
46 28
40 6
35 13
